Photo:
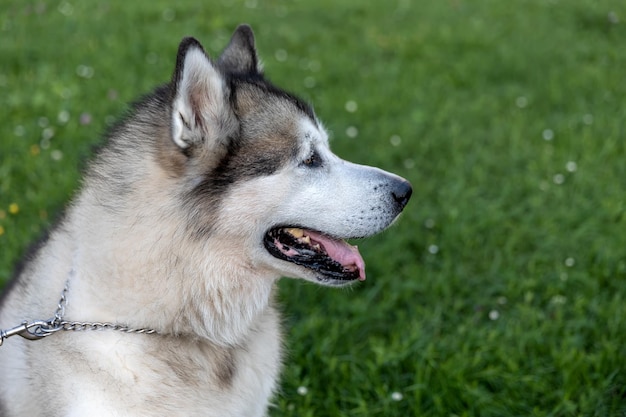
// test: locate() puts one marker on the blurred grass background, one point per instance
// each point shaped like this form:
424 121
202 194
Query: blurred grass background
501 290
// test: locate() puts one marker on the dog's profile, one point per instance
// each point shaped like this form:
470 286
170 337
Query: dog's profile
213 187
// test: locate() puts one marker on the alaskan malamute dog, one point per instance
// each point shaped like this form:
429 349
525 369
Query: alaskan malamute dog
153 295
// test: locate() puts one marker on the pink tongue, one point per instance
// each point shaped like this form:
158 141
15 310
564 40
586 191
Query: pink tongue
347 255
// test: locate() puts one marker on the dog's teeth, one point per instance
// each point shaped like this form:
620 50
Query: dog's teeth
317 247
306 239
295 232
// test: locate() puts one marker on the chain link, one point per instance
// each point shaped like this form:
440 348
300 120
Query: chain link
60 312
60 324
39 329
82 326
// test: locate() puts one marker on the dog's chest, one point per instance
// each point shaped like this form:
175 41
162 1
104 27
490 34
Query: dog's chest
152 376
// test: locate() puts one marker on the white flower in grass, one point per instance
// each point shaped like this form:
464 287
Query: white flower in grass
352 132
66 8
315 65
351 106
168 15
85 71
571 166
281 55
47 134
302 390
558 179
63 117
56 155
547 134
309 82
19 130
397 396
494 315
395 140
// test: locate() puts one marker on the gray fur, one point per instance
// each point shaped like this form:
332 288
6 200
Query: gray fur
167 233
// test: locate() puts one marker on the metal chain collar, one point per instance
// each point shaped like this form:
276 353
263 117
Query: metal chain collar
38 329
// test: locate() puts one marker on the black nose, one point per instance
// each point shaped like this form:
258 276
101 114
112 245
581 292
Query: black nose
402 192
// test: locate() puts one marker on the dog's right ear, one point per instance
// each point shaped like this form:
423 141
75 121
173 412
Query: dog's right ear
200 109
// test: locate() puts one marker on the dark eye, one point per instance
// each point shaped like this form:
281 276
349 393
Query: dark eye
313 161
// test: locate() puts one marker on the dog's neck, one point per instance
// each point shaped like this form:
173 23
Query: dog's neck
185 292
137 266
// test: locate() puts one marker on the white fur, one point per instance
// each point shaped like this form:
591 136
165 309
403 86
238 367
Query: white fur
122 279
130 247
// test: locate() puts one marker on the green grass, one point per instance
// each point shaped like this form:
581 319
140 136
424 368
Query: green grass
502 289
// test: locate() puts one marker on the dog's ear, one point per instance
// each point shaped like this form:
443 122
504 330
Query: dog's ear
240 56
200 107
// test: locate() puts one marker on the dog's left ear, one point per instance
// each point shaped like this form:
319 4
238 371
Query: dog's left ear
201 113
240 56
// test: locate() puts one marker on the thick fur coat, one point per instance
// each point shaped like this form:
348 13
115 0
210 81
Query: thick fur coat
213 187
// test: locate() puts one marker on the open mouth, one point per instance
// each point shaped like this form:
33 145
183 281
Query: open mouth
331 257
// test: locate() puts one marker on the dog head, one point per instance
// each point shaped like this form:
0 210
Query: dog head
257 171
